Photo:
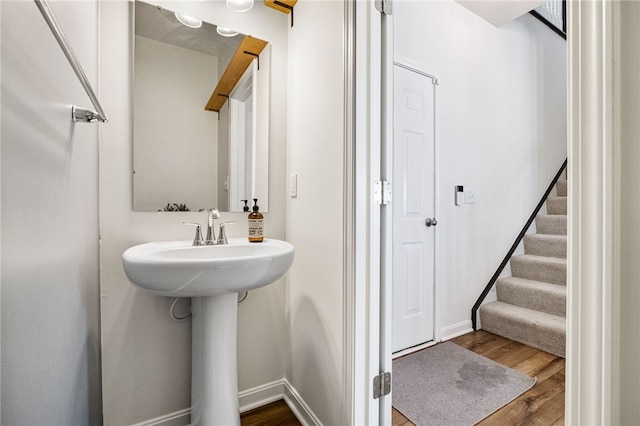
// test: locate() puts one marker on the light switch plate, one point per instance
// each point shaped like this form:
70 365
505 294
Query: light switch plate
293 186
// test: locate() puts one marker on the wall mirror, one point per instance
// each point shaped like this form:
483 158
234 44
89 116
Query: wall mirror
200 114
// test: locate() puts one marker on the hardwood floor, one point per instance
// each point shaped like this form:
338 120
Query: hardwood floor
276 413
543 404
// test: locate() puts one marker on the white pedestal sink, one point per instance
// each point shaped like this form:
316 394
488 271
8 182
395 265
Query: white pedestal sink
212 276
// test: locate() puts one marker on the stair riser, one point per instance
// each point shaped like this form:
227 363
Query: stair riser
550 302
553 225
525 331
556 247
561 188
557 205
547 272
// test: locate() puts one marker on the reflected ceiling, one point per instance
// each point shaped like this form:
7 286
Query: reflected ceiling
159 24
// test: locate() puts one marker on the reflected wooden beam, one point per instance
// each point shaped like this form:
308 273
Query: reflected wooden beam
282 5
249 48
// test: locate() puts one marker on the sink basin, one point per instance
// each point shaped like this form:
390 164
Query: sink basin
178 269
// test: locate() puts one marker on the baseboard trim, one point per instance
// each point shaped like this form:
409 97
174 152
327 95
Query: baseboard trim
274 391
167 418
300 409
250 399
456 330
261 395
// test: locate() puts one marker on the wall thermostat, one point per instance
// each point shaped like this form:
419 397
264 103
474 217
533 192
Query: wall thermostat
459 195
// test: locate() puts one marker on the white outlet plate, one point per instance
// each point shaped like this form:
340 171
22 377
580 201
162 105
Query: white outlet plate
469 197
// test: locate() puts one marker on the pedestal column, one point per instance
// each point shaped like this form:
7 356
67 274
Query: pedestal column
214 374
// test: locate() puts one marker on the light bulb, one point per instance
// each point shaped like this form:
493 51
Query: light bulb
226 32
240 5
189 21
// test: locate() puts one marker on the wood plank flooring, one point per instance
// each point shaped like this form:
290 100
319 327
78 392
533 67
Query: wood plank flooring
276 413
543 404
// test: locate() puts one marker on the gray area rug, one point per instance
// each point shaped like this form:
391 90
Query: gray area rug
450 385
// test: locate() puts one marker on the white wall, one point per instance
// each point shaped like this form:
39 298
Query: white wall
501 131
176 143
50 302
314 218
146 355
627 316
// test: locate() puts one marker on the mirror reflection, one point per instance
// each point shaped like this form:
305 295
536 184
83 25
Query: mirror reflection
200 108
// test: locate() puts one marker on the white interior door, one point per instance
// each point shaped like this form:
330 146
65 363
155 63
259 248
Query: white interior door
413 209
241 140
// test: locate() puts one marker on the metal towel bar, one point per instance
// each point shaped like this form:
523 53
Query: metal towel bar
77 114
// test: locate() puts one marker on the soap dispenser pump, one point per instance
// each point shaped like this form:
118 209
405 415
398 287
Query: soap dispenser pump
256 224
246 206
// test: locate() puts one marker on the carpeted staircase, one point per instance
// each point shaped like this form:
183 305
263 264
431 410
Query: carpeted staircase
531 304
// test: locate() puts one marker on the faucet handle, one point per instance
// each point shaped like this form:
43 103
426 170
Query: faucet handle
197 239
222 235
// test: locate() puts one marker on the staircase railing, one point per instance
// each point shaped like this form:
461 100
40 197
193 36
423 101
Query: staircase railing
554 15
513 248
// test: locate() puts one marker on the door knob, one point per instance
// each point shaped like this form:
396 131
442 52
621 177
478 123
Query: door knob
430 222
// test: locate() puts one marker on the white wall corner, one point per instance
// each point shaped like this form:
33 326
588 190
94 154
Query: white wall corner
354 336
299 407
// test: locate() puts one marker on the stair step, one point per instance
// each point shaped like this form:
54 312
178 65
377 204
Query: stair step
557 205
561 188
551 224
536 295
540 268
546 245
538 329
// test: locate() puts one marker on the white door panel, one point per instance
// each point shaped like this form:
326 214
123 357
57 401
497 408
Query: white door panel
414 201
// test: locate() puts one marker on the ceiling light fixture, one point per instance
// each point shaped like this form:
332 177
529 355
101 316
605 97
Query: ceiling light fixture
226 32
189 21
240 5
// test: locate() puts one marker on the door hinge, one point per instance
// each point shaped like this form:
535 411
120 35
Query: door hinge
382 192
381 385
384 6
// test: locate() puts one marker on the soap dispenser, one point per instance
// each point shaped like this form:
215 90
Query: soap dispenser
256 224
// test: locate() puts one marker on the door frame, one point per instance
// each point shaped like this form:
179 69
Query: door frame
241 183
366 354
595 273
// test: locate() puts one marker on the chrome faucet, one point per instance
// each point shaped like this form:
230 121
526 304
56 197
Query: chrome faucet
222 235
211 236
